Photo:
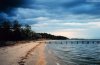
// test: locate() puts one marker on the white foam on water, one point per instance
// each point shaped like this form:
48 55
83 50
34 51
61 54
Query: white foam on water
57 63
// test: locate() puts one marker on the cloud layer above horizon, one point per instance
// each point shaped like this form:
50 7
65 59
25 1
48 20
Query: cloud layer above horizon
70 18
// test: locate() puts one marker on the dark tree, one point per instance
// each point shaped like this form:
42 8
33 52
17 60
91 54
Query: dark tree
14 31
5 30
49 36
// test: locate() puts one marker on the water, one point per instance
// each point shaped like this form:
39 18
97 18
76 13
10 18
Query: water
76 52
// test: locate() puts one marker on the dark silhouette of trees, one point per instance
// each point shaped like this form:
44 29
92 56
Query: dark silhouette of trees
49 36
5 30
14 31
27 33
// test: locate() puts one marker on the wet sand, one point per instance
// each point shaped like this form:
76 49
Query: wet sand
42 56
37 56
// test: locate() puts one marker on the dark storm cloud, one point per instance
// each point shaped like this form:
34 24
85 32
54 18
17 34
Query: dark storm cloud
73 3
8 8
52 6
2 16
89 9
82 7
69 6
44 15
8 5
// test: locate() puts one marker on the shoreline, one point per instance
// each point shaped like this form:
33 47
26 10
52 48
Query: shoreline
27 54
42 56
14 43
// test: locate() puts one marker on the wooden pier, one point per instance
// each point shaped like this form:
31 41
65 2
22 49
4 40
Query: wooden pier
73 42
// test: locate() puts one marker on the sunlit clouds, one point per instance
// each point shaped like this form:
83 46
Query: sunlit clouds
68 29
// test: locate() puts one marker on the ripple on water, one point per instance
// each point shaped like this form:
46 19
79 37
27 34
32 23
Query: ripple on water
77 54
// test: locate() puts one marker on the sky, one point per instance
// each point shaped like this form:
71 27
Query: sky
70 18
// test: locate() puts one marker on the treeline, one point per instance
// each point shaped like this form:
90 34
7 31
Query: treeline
14 31
52 37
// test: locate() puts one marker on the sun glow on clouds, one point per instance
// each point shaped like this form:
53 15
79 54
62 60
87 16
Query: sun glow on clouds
71 18
71 33
68 29
77 33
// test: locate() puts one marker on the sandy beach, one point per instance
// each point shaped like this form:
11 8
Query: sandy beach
15 55
41 56
32 53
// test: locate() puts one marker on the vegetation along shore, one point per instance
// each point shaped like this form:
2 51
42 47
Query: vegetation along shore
15 31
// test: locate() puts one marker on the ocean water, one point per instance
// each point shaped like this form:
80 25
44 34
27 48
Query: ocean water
76 52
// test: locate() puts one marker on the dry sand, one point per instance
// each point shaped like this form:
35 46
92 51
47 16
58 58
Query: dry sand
11 55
